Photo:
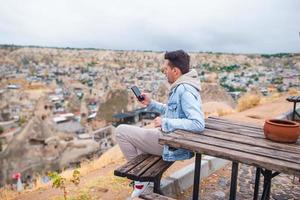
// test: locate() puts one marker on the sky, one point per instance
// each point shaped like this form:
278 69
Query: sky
232 26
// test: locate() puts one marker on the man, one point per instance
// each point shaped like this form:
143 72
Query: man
183 111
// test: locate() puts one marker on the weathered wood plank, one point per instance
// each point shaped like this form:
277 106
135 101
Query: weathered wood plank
233 126
293 99
155 196
123 170
255 150
233 155
260 142
229 122
156 170
235 130
142 167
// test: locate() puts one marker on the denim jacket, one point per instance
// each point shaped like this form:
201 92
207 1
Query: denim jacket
183 111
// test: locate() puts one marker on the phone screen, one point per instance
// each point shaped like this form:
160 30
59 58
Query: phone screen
137 93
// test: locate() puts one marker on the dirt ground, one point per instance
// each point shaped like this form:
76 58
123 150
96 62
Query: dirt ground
260 113
100 183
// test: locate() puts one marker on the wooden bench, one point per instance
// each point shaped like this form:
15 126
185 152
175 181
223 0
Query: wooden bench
295 100
145 167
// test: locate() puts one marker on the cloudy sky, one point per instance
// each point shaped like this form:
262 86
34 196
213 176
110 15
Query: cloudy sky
238 26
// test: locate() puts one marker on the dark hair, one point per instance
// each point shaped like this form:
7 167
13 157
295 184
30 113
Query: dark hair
179 59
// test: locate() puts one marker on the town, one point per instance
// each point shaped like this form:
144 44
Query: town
69 100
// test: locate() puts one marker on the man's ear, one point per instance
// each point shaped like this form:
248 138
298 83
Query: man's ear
178 72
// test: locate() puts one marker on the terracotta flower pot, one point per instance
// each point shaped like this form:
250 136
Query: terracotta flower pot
282 130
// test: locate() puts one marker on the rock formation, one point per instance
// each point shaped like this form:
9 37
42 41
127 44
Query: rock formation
37 149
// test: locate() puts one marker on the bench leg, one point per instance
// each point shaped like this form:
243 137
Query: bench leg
234 175
294 112
267 185
256 186
156 188
197 176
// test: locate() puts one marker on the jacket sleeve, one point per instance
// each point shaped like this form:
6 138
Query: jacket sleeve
194 120
157 107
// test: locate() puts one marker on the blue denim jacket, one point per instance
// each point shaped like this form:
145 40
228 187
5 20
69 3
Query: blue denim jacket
183 111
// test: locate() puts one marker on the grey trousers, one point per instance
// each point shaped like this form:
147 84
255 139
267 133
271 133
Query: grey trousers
134 140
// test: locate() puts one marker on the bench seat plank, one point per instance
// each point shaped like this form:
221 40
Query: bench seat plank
156 170
124 169
155 196
144 167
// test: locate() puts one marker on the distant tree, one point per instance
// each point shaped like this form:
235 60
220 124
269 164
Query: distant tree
277 80
247 64
250 82
205 65
91 64
240 89
223 79
276 55
254 77
24 61
280 89
32 70
22 121
229 68
265 56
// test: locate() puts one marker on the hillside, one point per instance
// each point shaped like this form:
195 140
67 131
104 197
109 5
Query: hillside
34 56
98 181
90 82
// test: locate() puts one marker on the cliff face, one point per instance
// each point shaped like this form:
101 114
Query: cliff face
212 92
38 149
116 101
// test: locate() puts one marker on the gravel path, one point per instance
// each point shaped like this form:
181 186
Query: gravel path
217 186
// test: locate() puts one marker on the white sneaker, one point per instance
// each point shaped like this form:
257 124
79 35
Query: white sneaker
139 188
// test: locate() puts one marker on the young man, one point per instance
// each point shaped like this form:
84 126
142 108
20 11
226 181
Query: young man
183 111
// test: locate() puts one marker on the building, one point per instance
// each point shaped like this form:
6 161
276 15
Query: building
134 116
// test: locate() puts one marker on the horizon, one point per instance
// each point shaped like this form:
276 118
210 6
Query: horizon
137 50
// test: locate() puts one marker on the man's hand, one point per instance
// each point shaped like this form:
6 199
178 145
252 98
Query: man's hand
147 99
157 122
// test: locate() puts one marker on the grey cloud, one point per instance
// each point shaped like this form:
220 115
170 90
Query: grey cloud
225 26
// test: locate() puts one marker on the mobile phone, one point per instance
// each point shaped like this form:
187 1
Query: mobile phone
137 93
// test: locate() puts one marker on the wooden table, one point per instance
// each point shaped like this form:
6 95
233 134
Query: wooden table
295 100
241 143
